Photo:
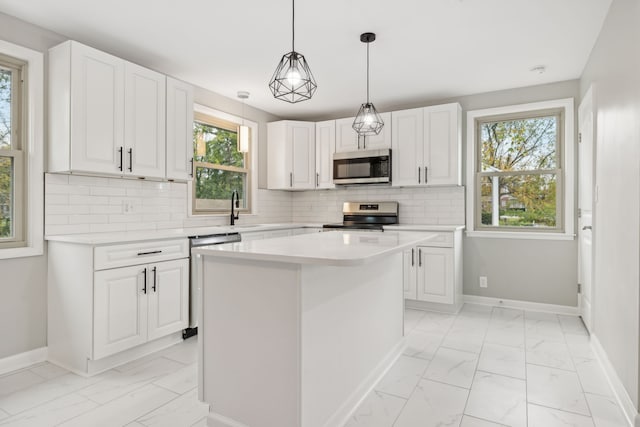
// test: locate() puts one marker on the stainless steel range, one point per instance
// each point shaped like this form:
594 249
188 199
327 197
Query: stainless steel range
366 216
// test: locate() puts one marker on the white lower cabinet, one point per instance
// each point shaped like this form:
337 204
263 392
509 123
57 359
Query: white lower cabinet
100 317
432 273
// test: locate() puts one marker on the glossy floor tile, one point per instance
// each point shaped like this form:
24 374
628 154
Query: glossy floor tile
484 367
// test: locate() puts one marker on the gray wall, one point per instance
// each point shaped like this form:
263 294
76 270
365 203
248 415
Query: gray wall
23 281
543 271
614 70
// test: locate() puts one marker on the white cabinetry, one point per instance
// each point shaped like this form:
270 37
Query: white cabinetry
108 116
291 155
179 130
325 147
144 121
432 273
347 139
426 145
118 303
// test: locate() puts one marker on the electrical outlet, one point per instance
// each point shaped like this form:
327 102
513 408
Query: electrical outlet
127 207
483 281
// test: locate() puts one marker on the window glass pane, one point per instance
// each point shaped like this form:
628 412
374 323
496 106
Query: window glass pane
6 198
214 188
519 201
5 109
522 144
216 145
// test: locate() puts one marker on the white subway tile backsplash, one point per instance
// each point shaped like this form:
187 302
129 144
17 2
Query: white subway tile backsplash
81 204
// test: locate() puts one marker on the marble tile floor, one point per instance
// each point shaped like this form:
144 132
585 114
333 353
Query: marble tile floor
484 367
490 367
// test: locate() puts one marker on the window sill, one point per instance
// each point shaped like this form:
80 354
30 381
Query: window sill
23 252
521 235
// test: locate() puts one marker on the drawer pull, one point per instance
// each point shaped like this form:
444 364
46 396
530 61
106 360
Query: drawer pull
149 253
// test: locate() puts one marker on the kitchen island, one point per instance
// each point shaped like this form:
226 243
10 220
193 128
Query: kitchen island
295 331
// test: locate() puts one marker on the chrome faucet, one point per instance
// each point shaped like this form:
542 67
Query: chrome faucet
236 205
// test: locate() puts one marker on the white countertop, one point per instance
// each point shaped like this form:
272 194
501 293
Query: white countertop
171 233
336 248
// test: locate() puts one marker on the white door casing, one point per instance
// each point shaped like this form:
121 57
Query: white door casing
585 206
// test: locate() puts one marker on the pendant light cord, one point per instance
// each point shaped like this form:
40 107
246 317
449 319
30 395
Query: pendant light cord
293 26
368 72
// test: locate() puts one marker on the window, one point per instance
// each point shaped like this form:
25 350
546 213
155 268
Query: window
12 203
21 151
521 177
219 167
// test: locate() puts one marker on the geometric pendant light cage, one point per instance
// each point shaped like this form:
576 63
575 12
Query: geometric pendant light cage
368 121
293 81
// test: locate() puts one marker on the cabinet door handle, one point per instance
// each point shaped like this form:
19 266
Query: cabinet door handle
120 150
144 280
364 142
317 179
358 141
419 257
425 175
191 168
149 253
155 278
418 174
130 159
290 179
413 261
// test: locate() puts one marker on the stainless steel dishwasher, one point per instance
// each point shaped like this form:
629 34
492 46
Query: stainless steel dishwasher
194 288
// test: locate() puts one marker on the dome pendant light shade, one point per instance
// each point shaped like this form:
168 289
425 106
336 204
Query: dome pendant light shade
368 121
293 81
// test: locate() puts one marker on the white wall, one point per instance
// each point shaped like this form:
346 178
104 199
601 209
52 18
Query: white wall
614 70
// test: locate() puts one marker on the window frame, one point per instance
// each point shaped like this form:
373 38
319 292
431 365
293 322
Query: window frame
29 166
565 170
226 121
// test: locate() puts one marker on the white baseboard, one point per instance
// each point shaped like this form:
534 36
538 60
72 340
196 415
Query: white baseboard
23 360
621 395
523 305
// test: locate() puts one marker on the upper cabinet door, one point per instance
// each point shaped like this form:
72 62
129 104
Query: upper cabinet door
442 148
346 138
144 122
303 153
325 147
381 140
96 122
408 146
179 130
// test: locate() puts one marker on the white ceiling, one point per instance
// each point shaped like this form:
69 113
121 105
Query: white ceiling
425 50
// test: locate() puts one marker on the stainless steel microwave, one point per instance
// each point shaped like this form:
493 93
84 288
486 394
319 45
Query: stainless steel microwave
362 167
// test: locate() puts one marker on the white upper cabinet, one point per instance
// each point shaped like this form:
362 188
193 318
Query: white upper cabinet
442 144
325 147
348 140
291 155
144 122
408 146
86 110
109 116
179 130
426 146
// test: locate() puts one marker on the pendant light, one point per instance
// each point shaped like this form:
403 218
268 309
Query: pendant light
243 131
292 81
368 121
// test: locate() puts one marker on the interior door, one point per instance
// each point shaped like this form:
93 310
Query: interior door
585 205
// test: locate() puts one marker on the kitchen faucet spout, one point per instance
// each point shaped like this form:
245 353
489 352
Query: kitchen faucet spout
234 198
